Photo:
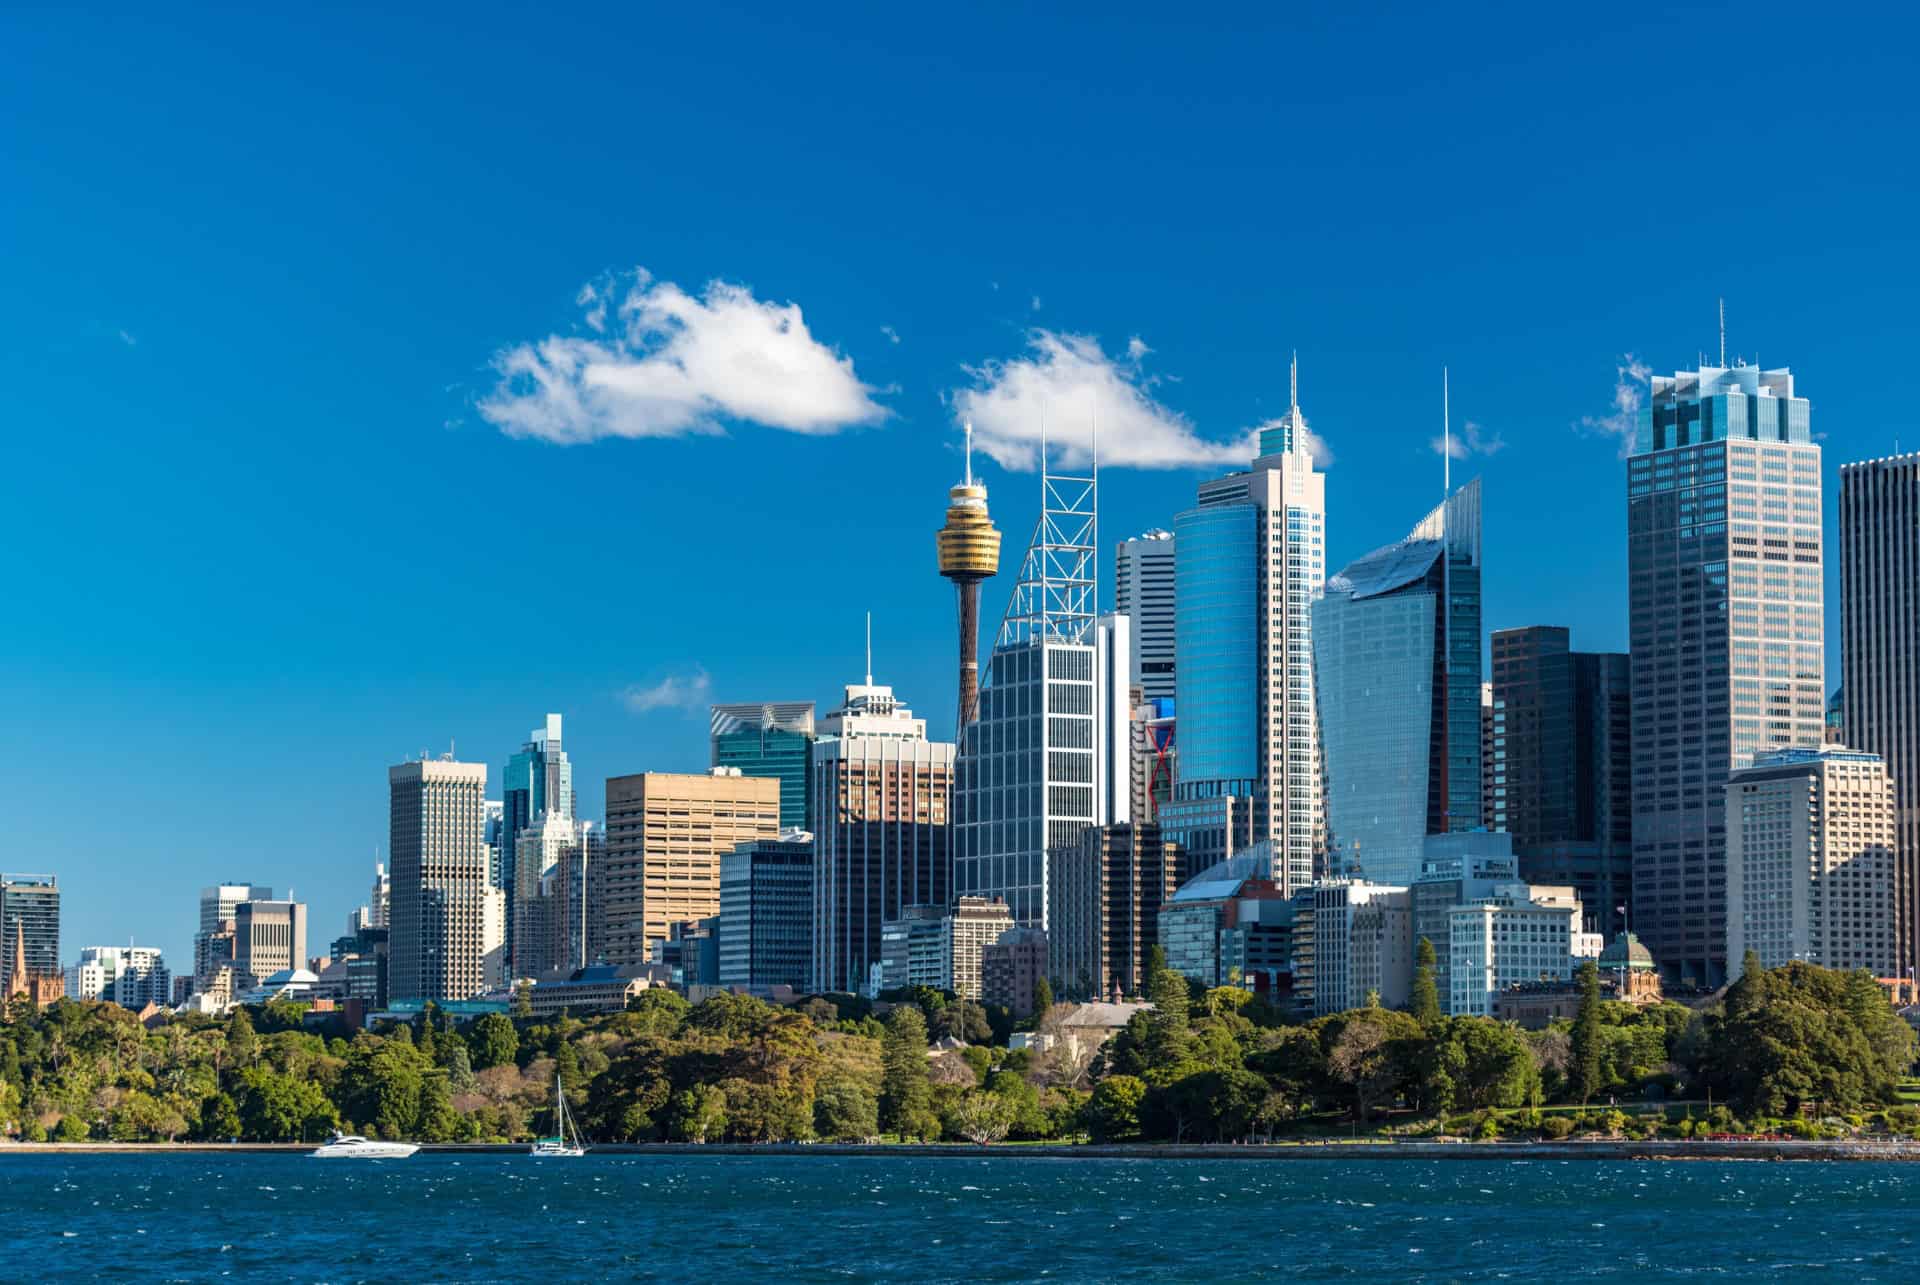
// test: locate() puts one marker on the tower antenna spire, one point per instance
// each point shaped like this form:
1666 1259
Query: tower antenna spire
869 649
1723 333
969 425
1293 379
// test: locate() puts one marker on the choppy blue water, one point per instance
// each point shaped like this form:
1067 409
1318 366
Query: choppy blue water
727 1218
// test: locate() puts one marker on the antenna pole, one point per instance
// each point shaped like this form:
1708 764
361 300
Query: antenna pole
869 649
1723 333
969 452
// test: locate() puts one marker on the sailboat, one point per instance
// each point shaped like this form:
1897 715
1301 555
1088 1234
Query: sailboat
566 1140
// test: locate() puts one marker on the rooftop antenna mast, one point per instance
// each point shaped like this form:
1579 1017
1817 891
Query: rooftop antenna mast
1723 333
870 644
969 427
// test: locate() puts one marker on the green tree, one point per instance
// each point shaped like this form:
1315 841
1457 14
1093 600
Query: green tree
846 1110
522 1005
1487 1064
1042 998
242 1045
219 1119
1426 994
700 1113
275 1107
905 1091
71 1129
437 1121
982 1117
1168 1022
1584 1058
492 1041
1113 1113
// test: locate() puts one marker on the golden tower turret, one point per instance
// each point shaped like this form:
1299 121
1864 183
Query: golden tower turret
969 552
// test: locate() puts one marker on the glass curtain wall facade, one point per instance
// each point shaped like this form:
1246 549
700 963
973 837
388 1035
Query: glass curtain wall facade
1880 655
1725 596
538 781
1249 565
1400 712
774 739
29 921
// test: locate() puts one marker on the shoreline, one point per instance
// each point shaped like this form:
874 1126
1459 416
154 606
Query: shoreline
1609 1149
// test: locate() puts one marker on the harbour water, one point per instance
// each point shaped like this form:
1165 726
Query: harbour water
906 1218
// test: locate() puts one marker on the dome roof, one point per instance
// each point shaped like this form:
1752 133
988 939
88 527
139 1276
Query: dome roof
1625 951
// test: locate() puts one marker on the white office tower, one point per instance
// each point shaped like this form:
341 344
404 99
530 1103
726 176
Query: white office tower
1048 754
1143 592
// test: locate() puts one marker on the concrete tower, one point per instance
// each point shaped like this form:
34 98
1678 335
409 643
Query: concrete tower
969 553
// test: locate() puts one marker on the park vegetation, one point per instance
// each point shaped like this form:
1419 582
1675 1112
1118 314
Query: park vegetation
1800 1049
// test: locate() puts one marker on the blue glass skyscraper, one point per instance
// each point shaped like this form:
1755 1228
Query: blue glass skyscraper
538 779
773 738
1396 646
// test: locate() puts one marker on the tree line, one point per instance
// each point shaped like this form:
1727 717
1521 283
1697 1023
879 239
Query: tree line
1198 1065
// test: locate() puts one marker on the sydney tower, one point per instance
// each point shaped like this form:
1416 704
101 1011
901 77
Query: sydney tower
969 553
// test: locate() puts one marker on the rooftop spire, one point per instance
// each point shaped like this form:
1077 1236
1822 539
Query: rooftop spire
969 426
870 645
1723 333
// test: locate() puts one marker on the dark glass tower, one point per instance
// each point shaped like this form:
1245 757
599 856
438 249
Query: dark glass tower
1566 766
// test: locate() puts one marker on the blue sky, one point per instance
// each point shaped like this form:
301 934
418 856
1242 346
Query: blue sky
269 534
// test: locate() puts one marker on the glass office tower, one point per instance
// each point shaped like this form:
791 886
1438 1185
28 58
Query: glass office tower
538 781
772 739
1880 654
1396 647
1248 565
1724 581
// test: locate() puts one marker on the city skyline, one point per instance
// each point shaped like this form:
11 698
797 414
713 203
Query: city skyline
216 511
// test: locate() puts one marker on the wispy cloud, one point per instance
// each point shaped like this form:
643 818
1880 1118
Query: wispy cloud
1066 386
1036 303
893 336
128 339
665 363
1472 439
1629 395
676 691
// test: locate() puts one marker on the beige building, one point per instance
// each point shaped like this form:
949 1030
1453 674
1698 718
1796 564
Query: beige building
267 937
443 924
1810 861
666 833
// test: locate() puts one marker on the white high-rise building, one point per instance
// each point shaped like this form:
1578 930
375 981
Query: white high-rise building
1521 933
1143 592
1048 754
1810 861
130 976
444 926
1251 560
382 896
1362 942
213 942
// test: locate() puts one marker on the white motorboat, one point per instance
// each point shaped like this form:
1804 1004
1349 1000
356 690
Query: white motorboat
352 1144
566 1140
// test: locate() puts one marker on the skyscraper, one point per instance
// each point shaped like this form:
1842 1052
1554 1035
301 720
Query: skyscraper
1565 765
1810 869
29 927
666 833
882 801
439 908
766 912
1106 898
1396 646
969 548
539 780
267 937
1248 568
552 842
213 942
771 739
1049 753
1724 582
1143 591
1880 654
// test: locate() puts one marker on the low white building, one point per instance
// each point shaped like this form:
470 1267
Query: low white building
1521 933
130 976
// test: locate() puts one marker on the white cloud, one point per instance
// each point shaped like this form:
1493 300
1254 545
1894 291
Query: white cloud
1629 395
667 364
1036 303
128 339
675 691
1470 440
1069 385
892 335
